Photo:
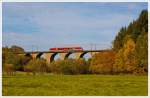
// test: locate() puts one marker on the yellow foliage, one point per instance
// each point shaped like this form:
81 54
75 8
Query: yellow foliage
102 62
129 48
125 59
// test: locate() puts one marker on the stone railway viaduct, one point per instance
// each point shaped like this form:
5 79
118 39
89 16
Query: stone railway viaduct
50 55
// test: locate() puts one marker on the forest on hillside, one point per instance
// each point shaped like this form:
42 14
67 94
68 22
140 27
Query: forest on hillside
129 54
131 46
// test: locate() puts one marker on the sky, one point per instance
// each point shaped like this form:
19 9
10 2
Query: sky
40 26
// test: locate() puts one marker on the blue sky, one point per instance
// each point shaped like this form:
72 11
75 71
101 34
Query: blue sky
43 25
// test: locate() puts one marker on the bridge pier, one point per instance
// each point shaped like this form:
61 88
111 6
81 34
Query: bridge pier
63 56
48 57
78 55
34 55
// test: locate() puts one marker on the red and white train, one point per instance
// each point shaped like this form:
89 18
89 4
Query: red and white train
66 49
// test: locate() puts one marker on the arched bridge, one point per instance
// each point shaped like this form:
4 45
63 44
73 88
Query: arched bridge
50 55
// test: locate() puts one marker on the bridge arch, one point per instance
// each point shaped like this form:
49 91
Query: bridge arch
67 55
28 55
81 56
39 55
87 54
52 57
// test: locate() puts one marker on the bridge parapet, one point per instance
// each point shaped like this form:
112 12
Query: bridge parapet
75 51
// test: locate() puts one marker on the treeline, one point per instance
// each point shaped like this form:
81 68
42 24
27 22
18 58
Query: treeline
129 55
131 46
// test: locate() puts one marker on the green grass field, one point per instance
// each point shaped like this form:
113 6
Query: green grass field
75 85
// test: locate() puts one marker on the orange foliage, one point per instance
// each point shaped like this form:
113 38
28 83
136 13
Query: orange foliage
102 63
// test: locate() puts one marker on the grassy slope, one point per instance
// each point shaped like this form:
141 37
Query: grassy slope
75 85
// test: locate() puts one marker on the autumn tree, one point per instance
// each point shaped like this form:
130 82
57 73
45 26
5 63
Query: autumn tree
9 56
142 51
119 65
125 59
16 49
102 63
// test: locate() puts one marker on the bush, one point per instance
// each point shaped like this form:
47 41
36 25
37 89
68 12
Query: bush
102 63
69 66
140 71
54 67
36 66
9 69
20 62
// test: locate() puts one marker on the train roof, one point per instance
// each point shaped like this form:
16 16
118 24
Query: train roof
66 46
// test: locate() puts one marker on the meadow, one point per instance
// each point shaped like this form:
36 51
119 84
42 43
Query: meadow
74 85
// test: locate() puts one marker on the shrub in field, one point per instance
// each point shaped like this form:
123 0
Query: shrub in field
20 62
54 67
36 66
102 63
74 66
9 68
83 66
42 66
140 71
28 69
69 66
